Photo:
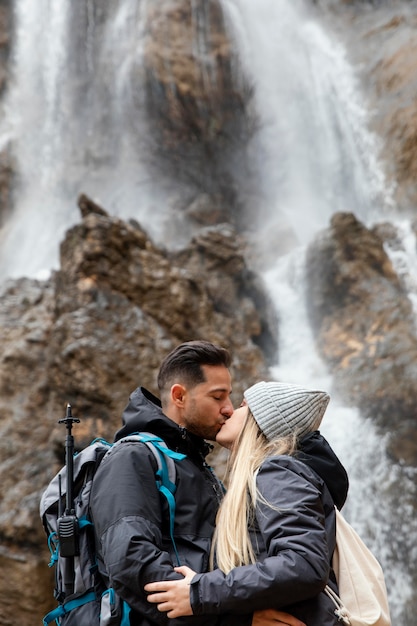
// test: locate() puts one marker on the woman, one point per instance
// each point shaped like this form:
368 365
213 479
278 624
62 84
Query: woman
275 531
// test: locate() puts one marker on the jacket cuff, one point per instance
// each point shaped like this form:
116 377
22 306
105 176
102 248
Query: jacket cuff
195 596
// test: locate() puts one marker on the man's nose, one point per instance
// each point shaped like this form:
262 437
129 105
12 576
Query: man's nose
227 410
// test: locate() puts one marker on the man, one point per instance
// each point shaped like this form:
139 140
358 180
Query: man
131 520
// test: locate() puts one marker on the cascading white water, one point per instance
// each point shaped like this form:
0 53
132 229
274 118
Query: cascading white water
72 116
403 255
313 151
32 114
318 157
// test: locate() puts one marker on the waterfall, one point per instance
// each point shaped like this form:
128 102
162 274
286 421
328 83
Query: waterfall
316 156
313 154
31 114
72 114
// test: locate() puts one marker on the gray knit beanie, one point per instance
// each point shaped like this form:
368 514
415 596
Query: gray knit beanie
281 409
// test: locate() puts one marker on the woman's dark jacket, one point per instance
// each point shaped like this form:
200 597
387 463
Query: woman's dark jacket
131 517
293 537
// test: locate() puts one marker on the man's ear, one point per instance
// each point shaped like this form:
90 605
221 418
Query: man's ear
178 393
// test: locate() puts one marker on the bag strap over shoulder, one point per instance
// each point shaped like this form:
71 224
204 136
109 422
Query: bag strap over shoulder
157 446
62 609
165 475
362 599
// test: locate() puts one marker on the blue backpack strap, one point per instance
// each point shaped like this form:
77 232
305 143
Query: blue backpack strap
53 545
165 475
165 478
167 488
62 609
125 614
166 469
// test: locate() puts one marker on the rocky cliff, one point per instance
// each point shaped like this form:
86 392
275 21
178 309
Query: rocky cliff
89 336
101 324
381 42
365 327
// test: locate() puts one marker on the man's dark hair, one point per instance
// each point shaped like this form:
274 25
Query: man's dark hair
184 363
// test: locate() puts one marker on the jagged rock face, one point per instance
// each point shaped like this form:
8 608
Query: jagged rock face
395 76
26 315
89 336
197 103
189 70
382 43
365 328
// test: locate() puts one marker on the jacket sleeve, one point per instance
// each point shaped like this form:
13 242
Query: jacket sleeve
294 564
127 516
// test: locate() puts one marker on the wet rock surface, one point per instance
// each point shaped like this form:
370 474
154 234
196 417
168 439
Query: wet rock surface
365 328
89 336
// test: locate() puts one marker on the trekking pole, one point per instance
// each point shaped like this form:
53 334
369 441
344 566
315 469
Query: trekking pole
67 524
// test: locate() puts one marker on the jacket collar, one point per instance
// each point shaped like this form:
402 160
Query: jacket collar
143 413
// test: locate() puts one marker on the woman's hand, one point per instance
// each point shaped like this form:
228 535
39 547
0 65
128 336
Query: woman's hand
271 617
173 596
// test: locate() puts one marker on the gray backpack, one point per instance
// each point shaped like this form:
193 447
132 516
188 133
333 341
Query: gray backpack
84 600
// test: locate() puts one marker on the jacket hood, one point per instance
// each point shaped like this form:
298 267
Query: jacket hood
143 413
316 452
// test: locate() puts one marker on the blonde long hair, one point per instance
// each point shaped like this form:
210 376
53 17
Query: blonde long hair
231 541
